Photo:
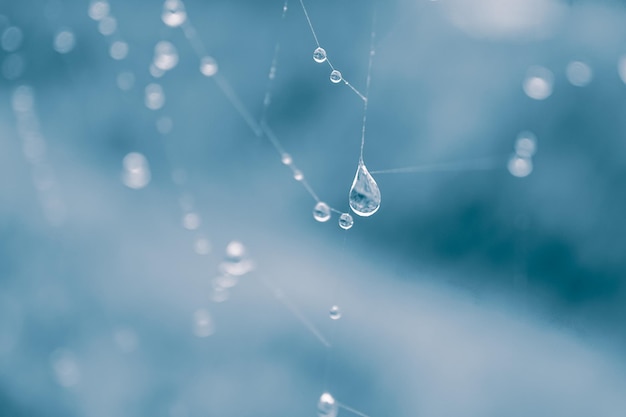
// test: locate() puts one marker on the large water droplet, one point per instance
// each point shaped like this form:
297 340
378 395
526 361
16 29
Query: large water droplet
327 406
364 194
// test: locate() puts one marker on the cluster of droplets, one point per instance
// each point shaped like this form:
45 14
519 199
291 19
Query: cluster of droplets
521 162
319 56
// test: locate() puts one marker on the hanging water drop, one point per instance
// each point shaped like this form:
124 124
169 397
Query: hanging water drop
174 13
364 194
335 76
346 221
321 212
327 406
319 55
335 313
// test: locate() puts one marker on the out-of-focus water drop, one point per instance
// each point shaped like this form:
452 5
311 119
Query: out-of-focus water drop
65 368
203 325
327 406
118 50
225 281
11 39
236 262
298 175
219 294
321 212
335 313
165 56
538 83
154 98
191 221
364 196
202 246
520 166
173 14
335 76
107 25
319 55
208 66
526 144
98 9
286 159
346 221
136 173
579 73
64 41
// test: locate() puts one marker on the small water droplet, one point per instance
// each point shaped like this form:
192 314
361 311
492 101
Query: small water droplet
335 76
191 221
64 41
174 13
327 406
346 221
136 173
154 96
165 56
364 196
118 50
321 212
98 9
298 175
286 159
520 166
579 73
538 83
335 313
236 262
208 66
107 25
319 55
526 144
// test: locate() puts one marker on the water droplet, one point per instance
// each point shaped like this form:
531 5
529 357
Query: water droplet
203 325
335 76
64 41
236 261
191 221
118 50
335 313
155 98
319 55
364 194
107 25
286 159
321 212
327 406
11 39
298 175
174 13
538 83
98 10
165 56
578 73
208 66
526 144
136 173
346 221
520 166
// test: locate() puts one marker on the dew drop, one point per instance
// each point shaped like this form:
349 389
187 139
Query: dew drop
174 13
208 66
165 56
538 83
286 159
335 313
520 166
321 212
526 144
327 406
298 175
64 41
136 173
118 50
346 221
98 10
319 55
154 98
364 194
335 76
579 73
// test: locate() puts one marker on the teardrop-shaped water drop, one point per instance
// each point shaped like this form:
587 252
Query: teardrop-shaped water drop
364 195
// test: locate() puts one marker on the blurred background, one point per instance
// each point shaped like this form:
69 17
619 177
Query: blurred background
158 259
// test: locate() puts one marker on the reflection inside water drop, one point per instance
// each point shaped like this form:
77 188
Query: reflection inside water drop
364 194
